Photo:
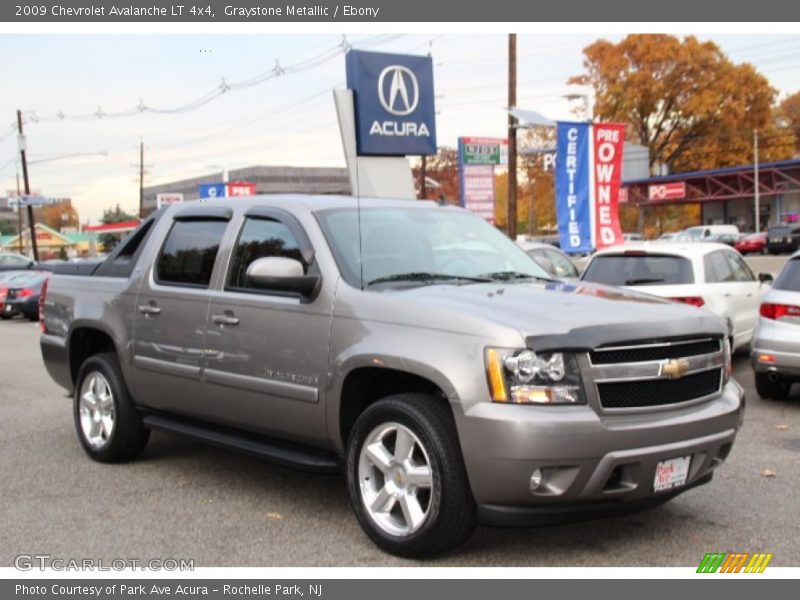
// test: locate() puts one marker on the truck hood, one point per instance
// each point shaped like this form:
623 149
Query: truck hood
571 315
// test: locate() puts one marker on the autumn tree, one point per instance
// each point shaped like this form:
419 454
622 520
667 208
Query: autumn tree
684 100
443 169
58 215
788 116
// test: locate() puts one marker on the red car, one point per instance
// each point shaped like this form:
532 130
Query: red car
755 242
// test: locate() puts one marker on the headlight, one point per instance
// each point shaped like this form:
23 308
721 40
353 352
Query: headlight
525 377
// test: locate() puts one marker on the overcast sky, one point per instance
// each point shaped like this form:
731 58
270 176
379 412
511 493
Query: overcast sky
288 120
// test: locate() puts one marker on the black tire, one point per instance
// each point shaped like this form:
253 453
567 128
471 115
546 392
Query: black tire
128 436
774 390
452 512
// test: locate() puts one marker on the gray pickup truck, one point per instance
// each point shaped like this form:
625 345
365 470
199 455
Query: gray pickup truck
412 346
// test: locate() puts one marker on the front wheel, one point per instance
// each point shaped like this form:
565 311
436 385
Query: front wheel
109 427
406 477
775 390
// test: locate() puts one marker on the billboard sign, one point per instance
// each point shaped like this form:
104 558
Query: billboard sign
483 151
209 191
674 190
394 103
588 176
168 199
477 190
240 188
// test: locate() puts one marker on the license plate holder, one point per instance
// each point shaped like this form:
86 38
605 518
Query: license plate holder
671 473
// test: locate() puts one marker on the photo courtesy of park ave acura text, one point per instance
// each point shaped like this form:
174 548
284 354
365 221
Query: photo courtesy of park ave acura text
275 295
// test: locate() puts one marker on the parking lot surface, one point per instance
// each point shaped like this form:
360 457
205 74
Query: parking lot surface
186 500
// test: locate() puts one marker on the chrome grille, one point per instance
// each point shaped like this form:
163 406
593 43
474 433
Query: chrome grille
658 373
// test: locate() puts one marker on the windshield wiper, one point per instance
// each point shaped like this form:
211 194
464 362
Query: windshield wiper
642 280
426 276
509 275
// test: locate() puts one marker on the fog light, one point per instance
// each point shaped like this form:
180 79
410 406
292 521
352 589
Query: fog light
536 479
766 358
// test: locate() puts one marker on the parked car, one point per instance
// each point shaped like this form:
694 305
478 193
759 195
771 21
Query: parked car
708 275
776 350
556 262
753 243
729 239
413 347
699 232
783 239
668 237
15 262
632 237
21 295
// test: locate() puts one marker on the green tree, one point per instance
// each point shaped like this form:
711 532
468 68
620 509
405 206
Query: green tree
113 215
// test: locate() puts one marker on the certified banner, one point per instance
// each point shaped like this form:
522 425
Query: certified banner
573 190
588 177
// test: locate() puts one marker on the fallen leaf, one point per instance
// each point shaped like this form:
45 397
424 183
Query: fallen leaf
782 427
275 516
768 473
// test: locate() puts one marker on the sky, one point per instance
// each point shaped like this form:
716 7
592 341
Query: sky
284 120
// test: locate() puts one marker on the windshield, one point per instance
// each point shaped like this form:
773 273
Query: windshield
693 233
421 245
633 270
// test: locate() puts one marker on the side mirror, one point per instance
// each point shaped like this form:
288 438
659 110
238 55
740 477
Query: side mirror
766 277
279 274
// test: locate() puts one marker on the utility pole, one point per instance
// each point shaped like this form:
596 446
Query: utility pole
27 186
19 215
512 136
141 178
755 182
423 174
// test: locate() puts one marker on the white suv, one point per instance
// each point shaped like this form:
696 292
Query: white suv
708 275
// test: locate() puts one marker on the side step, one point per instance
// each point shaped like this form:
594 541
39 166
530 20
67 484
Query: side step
282 453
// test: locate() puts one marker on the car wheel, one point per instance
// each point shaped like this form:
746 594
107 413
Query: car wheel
406 477
109 427
775 390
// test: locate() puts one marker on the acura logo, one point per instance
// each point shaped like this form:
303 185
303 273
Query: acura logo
400 95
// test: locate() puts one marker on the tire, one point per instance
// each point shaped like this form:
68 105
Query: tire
775 390
445 499
102 405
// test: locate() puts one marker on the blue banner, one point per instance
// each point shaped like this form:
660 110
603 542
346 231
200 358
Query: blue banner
394 103
573 205
212 190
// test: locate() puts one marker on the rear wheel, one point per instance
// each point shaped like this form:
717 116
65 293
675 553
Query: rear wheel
108 425
406 477
776 390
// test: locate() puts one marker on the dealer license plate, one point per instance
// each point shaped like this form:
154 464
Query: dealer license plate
671 473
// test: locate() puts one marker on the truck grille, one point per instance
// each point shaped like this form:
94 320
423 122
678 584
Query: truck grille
663 351
659 392
657 373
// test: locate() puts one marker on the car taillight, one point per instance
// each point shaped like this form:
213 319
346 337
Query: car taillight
692 300
3 292
24 293
42 296
777 311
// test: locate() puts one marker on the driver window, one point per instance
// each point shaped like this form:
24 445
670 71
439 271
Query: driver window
259 238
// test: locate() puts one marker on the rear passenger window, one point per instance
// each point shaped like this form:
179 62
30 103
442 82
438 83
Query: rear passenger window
189 253
740 269
261 237
718 269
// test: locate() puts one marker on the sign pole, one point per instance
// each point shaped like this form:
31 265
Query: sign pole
27 186
512 137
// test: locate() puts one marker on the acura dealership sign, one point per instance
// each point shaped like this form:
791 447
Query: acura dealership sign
394 103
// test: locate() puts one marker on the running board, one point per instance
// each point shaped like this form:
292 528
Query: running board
282 453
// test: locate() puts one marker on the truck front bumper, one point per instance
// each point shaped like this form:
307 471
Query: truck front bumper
533 464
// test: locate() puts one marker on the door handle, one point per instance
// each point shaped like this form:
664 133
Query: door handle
149 309
225 319
728 294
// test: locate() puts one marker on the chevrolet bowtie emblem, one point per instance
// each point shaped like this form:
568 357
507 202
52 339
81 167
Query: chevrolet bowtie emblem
675 369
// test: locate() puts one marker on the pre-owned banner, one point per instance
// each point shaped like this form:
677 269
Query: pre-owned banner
607 168
588 177
573 191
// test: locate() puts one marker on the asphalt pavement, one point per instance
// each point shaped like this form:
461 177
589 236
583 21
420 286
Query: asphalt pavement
186 500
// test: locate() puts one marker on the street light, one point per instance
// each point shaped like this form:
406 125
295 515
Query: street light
223 168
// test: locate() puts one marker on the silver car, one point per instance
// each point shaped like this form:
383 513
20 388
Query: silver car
776 350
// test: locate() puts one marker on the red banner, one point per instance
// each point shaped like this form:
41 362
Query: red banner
608 143
240 188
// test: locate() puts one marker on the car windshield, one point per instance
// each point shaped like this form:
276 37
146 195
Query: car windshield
639 269
693 233
421 246
789 279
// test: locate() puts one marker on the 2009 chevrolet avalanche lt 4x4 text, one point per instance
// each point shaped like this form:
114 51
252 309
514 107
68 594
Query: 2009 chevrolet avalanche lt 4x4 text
413 346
